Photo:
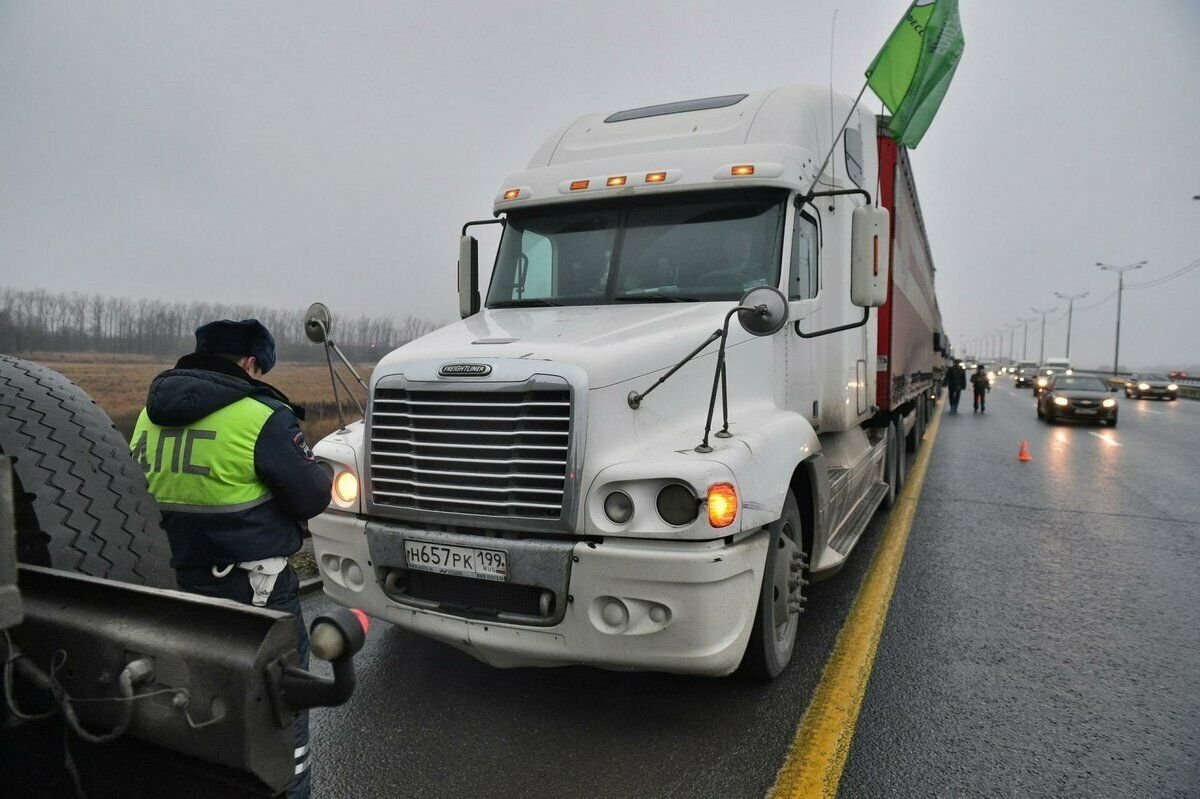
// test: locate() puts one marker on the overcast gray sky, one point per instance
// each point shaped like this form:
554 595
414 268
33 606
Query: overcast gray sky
281 152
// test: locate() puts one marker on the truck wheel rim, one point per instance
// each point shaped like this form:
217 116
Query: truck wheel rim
787 585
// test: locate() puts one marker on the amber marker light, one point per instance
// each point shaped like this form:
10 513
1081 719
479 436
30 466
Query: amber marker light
616 180
722 504
512 194
656 177
741 170
345 487
579 185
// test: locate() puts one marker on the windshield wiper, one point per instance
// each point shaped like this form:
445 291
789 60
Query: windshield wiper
525 303
654 298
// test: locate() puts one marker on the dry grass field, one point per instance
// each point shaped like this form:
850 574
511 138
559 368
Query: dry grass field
118 383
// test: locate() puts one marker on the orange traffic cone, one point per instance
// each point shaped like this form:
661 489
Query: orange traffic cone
1023 456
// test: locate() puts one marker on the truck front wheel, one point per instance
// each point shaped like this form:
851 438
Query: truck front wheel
781 599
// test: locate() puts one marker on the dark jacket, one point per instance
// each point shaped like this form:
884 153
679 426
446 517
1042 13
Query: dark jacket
956 378
980 381
287 484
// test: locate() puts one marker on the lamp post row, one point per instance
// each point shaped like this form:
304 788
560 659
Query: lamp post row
1070 298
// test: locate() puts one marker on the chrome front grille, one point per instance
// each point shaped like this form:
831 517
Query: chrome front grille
498 452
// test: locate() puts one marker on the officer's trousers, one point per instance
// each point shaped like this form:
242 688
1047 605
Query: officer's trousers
284 597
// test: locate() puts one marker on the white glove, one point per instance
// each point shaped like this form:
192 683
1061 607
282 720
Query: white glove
263 574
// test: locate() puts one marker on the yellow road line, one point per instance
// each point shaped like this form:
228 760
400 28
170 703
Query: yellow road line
818 753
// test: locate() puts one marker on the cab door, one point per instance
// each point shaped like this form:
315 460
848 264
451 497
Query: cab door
802 268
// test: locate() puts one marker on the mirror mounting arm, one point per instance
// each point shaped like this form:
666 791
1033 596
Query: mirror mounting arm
804 199
719 378
474 222
866 315
635 398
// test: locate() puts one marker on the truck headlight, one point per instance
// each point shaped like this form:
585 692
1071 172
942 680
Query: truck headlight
1061 401
345 488
677 504
618 507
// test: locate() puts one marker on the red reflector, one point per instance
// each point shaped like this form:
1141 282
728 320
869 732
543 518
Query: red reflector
579 185
363 619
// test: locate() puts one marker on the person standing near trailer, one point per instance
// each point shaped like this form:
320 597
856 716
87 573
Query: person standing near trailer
226 460
979 381
956 383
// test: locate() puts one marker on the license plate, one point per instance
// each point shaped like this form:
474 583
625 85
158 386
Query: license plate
1085 411
486 564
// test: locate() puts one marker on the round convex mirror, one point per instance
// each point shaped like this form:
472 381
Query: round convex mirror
317 322
769 311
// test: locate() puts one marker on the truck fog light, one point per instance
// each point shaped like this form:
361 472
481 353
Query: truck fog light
722 504
1061 401
345 487
618 507
677 504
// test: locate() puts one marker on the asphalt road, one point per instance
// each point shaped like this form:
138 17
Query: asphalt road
1044 640
1044 635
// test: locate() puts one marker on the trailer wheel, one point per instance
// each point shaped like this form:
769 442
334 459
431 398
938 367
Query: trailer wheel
901 453
889 469
81 501
918 429
781 598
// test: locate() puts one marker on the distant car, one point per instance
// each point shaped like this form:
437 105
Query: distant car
1042 378
1147 385
1024 376
1177 375
1079 397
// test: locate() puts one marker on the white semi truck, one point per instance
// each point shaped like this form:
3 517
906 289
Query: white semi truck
539 484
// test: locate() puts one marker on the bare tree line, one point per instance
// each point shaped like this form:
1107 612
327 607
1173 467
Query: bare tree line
37 320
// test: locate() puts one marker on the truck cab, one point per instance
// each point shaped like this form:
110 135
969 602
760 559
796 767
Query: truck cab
525 495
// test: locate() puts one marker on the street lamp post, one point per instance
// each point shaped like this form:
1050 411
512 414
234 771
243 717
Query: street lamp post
1025 339
1120 270
1070 298
1042 349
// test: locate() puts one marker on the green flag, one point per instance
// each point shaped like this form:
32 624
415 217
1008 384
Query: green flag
915 66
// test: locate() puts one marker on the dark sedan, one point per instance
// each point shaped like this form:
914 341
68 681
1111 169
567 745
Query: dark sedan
1143 385
1079 397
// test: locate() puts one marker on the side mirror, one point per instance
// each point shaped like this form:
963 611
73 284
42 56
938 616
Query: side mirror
870 249
468 276
764 311
318 321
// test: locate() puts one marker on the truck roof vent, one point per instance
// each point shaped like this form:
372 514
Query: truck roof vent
681 107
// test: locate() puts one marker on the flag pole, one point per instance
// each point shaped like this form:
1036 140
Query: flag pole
833 145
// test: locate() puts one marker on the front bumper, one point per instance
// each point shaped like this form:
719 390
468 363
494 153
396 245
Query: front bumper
1085 414
683 607
1158 393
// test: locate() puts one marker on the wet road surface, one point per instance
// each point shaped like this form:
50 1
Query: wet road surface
1044 640
1044 636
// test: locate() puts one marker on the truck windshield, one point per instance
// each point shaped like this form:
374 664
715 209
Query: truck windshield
683 248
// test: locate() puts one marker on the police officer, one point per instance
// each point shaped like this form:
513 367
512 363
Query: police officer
234 478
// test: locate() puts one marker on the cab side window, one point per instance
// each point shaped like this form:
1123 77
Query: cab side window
803 276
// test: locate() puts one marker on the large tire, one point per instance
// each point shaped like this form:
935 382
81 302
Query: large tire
918 428
81 500
773 640
889 469
901 453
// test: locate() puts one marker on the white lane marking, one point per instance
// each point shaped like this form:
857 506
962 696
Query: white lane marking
1105 437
